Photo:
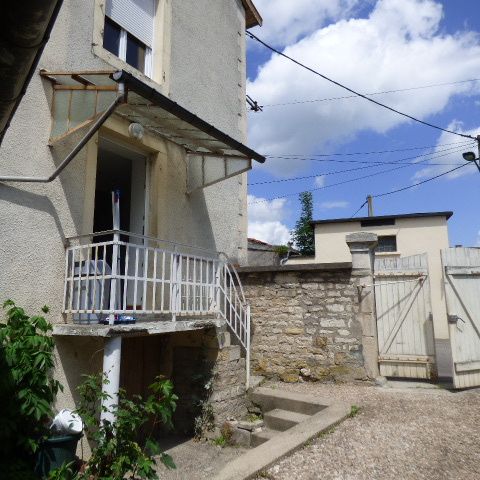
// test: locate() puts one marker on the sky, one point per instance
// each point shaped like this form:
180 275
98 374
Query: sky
370 46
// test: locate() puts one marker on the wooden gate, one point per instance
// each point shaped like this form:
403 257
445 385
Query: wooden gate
404 319
462 287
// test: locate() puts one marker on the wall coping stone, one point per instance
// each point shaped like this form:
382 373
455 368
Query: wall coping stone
324 267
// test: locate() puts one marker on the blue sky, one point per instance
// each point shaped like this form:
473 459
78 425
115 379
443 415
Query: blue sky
370 46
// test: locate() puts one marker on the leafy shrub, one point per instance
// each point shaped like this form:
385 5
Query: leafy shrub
118 451
27 389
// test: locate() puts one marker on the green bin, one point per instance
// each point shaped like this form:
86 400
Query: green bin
56 451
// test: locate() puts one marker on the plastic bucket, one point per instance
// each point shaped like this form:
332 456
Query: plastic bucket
56 451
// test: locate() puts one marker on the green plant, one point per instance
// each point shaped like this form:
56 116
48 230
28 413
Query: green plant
220 441
302 234
253 417
354 410
281 250
62 473
118 451
27 388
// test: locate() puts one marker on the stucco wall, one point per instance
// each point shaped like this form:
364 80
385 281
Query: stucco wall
206 73
304 323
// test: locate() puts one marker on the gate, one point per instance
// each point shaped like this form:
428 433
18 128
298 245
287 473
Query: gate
462 286
404 319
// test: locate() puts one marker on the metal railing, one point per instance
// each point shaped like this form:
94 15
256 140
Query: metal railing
116 273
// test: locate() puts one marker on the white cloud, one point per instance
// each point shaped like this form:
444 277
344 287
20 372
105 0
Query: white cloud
448 159
286 21
399 45
265 220
320 181
334 204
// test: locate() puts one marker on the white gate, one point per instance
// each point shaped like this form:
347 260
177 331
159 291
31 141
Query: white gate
404 319
462 286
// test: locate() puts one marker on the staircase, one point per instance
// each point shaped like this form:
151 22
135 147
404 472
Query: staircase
281 411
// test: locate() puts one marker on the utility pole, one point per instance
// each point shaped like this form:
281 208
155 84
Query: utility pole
370 203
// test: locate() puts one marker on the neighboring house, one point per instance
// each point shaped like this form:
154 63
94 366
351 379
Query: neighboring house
262 253
144 98
399 236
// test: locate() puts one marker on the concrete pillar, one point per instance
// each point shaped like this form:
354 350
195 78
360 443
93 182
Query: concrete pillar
362 247
112 355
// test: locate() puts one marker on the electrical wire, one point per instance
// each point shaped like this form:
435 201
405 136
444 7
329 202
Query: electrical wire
361 206
419 183
349 181
398 112
298 102
376 164
463 142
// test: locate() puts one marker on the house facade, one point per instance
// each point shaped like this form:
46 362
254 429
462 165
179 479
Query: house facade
134 123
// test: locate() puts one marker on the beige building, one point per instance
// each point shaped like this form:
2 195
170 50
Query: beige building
398 236
144 98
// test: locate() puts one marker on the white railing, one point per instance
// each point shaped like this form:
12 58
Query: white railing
114 274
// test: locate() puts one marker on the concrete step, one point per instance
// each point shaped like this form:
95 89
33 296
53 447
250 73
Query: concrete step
269 399
282 420
261 437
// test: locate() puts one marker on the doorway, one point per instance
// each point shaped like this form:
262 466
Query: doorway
123 170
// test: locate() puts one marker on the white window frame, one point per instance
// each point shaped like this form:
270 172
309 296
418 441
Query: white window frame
157 60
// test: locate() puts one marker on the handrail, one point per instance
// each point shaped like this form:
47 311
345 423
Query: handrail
68 240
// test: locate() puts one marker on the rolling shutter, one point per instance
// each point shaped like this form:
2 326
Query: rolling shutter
135 16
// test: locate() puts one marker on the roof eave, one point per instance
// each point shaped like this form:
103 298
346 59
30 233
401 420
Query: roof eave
446 214
252 15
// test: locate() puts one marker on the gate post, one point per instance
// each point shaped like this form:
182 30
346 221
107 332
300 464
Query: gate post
362 247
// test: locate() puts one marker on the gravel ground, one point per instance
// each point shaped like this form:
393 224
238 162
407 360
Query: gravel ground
400 433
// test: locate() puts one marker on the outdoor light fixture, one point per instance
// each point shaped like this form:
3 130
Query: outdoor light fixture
469 156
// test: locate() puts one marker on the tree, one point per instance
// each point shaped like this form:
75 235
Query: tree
303 235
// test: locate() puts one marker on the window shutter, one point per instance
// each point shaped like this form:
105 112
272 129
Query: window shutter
135 16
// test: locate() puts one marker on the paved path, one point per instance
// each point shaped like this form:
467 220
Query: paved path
399 434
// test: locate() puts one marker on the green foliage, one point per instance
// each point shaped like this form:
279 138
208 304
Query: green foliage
62 473
27 389
281 250
118 451
303 234
354 410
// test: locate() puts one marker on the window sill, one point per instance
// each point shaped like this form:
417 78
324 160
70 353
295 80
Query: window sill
119 64
387 254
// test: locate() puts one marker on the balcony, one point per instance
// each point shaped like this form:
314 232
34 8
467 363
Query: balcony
117 282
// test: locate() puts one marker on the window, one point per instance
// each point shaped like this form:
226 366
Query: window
386 243
128 32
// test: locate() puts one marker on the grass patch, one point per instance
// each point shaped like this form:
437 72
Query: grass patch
354 411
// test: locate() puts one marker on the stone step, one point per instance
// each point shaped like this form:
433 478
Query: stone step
269 399
261 437
282 420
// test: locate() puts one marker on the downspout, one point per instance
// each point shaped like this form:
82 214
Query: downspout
91 132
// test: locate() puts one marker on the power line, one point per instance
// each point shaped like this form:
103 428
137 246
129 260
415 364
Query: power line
463 142
254 37
376 164
361 206
419 183
345 182
298 102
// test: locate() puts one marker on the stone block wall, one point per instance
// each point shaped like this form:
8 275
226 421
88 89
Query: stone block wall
304 322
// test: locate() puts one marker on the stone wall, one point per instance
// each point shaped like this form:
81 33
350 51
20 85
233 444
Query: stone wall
305 322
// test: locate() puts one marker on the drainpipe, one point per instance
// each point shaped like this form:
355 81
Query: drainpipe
91 132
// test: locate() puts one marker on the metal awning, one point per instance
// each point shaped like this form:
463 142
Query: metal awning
81 97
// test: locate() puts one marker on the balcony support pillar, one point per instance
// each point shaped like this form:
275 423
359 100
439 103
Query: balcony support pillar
112 354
